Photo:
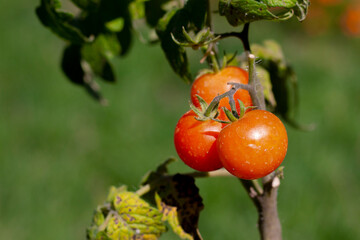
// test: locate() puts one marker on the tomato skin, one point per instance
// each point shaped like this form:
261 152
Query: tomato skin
195 142
253 146
351 20
209 85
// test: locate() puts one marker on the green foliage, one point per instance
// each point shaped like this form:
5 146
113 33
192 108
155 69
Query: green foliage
154 10
61 23
192 18
238 12
97 54
175 54
101 31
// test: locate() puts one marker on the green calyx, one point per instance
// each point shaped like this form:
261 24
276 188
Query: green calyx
206 111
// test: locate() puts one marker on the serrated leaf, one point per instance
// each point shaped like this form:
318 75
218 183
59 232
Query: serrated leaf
61 23
180 203
239 12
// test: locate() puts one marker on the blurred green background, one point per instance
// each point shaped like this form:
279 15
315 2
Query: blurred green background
60 151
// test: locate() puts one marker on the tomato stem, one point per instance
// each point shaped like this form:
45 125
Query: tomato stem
243 36
256 90
214 62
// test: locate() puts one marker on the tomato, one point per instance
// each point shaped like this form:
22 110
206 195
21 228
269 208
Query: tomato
195 142
253 146
210 85
351 20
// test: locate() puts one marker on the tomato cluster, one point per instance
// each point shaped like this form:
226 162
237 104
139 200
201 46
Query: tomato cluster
249 148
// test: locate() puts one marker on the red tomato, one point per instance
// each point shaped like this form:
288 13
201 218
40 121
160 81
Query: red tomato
253 146
210 85
351 20
195 142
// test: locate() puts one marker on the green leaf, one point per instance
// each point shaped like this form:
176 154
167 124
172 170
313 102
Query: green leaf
172 22
97 54
87 4
240 12
78 71
190 17
154 11
137 9
111 10
280 3
61 23
196 11
71 64
180 203
115 25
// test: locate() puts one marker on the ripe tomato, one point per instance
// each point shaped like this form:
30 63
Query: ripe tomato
210 85
253 146
195 142
351 20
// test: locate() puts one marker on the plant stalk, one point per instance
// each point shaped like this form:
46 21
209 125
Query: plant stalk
265 201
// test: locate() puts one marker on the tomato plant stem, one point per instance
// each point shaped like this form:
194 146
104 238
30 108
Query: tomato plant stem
256 90
243 36
266 205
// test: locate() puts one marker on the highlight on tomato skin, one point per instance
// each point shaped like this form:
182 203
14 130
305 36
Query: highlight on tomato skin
195 142
210 85
254 146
